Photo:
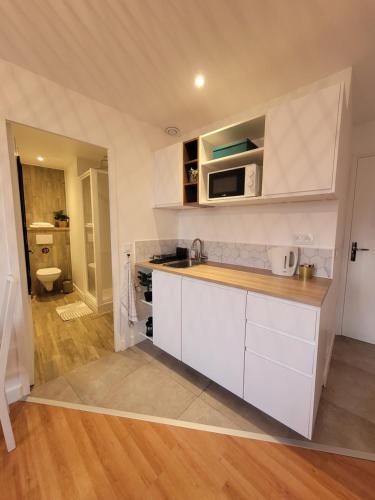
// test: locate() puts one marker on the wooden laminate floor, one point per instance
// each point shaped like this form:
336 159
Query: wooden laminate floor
71 454
60 346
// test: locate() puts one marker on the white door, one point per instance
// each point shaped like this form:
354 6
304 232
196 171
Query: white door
166 311
300 144
359 309
168 176
213 332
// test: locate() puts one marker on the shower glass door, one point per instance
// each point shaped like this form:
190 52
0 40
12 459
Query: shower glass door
89 234
95 194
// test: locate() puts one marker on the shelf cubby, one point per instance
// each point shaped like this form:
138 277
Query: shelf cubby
190 161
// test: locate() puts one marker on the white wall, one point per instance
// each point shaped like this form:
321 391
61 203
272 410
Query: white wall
29 99
364 139
266 224
275 224
363 144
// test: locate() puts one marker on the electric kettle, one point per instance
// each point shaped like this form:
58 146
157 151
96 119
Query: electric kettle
283 260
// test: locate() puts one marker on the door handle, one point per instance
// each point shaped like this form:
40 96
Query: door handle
355 249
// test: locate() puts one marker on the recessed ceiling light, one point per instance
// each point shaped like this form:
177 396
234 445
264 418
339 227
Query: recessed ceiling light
199 81
40 158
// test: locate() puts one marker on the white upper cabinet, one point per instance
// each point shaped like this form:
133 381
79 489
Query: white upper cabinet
168 176
301 141
166 305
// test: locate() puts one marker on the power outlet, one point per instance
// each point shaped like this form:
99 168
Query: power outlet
304 239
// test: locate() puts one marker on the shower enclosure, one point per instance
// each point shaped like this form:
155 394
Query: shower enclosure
95 195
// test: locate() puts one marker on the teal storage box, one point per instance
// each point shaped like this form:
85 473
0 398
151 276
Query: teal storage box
232 148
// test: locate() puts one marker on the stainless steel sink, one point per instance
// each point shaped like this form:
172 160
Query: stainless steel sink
184 263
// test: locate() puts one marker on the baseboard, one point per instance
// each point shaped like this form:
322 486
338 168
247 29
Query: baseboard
105 308
14 393
79 291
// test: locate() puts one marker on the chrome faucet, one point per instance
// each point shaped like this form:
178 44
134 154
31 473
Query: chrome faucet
198 254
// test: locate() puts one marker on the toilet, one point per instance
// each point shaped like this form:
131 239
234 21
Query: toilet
47 276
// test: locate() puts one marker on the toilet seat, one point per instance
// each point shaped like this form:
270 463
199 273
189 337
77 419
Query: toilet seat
48 271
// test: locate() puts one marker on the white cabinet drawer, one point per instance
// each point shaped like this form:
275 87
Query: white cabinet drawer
278 391
287 317
281 348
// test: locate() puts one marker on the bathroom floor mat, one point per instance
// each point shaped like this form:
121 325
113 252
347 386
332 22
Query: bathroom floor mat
73 311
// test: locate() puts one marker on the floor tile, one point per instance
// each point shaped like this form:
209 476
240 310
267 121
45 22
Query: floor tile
353 352
352 389
144 351
202 413
150 391
58 389
181 373
336 426
93 381
245 416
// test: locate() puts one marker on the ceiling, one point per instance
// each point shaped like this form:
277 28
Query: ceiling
58 151
141 56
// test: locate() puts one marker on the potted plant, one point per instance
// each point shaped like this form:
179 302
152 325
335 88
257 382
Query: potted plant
61 219
193 175
145 280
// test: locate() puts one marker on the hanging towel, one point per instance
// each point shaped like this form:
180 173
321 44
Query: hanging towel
128 307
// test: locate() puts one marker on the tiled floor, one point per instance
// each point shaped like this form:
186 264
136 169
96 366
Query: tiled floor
145 380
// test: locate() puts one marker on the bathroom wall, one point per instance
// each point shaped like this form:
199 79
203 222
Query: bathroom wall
44 193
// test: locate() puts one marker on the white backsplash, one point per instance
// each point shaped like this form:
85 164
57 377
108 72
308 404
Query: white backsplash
241 254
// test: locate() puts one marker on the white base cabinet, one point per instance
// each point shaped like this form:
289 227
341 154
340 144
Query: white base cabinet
213 332
282 393
280 360
166 305
263 349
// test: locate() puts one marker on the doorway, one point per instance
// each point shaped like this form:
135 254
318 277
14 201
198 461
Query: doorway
359 310
67 249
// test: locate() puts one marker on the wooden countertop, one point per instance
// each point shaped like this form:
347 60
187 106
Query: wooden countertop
312 292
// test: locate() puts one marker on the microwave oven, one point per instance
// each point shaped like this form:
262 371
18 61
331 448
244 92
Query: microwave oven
237 182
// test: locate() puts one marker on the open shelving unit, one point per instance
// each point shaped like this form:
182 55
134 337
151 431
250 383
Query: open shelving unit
190 161
252 129
251 156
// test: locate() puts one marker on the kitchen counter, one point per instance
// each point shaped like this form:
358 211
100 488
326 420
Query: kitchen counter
312 292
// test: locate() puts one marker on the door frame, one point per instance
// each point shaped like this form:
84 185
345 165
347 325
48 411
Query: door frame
9 196
348 231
